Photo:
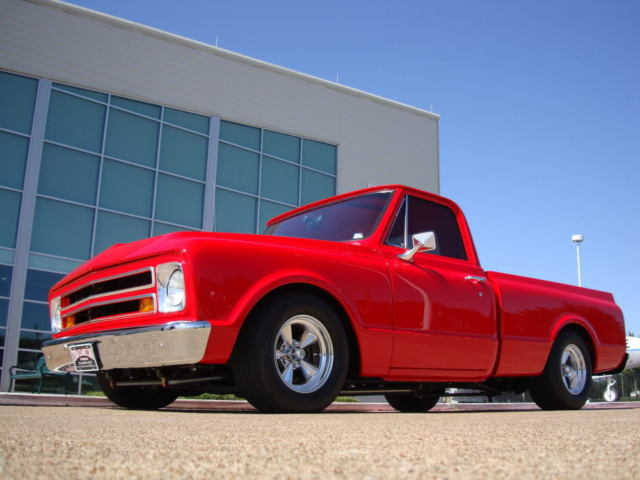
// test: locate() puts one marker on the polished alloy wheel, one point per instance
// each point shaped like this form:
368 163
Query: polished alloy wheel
303 354
574 369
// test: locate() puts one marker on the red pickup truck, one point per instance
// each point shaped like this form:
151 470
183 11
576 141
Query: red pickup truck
378 291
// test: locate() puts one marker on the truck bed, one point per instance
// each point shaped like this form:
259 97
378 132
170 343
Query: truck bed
533 311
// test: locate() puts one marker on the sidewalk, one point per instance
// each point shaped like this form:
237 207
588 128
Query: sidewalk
44 400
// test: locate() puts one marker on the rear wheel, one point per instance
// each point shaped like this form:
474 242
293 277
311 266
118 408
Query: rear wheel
293 357
410 402
566 380
137 398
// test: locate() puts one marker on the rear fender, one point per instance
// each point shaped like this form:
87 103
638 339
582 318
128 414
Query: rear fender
579 323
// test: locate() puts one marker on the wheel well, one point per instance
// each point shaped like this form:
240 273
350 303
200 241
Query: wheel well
584 334
292 289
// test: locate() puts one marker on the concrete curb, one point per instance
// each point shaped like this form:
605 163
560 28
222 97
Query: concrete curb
44 400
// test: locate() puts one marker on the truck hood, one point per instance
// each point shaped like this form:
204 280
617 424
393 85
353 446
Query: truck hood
123 253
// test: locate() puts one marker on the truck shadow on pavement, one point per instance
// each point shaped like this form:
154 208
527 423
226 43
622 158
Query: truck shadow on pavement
244 408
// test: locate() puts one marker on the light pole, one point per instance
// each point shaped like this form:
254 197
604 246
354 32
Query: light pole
577 239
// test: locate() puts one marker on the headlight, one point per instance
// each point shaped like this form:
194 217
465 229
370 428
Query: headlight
171 291
54 311
175 289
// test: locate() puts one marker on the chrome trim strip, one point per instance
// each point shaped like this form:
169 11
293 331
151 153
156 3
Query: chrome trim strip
173 343
112 277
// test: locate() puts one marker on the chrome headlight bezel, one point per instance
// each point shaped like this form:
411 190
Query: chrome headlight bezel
171 290
55 309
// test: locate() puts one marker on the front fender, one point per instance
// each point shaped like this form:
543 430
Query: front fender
360 285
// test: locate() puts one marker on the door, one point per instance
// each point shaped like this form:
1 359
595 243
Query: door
444 316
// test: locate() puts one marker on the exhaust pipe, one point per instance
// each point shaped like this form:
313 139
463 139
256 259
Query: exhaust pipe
374 392
165 382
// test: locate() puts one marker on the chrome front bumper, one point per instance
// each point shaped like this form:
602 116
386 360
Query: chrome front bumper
175 343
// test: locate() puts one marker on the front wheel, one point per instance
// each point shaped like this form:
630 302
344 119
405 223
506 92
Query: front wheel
293 357
137 398
566 381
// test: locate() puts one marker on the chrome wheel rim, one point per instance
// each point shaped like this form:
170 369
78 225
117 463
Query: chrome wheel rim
303 354
574 369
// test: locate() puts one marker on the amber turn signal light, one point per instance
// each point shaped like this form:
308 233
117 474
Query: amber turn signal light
146 304
68 322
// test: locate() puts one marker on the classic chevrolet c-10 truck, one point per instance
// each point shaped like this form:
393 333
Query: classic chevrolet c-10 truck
378 291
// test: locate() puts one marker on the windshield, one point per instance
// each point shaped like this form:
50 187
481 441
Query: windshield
351 219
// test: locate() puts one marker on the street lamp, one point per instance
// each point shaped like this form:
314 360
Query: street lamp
577 239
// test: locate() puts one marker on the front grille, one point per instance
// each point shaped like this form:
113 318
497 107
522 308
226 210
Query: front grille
100 311
114 285
131 293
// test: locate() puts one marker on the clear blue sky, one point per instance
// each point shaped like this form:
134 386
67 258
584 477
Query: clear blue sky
539 103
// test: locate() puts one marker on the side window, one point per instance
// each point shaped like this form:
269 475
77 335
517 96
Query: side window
397 235
425 216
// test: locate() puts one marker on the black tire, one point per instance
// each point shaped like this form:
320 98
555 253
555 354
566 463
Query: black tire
556 389
264 363
137 398
411 403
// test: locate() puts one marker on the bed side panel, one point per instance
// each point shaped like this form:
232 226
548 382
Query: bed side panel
534 311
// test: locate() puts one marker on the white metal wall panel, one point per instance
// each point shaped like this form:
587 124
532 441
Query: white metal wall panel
380 141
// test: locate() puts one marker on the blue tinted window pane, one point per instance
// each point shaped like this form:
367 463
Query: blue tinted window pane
35 316
235 212
33 340
281 145
68 174
238 169
101 97
162 228
179 201
5 280
9 208
52 263
113 228
320 156
7 256
316 186
17 101
13 157
75 121
132 138
139 107
4 306
39 283
183 153
62 229
280 180
240 134
126 188
199 123
2 335
268 210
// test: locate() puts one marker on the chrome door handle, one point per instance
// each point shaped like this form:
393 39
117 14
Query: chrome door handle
475 278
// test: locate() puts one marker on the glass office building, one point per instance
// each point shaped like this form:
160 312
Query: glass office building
82 169
113 131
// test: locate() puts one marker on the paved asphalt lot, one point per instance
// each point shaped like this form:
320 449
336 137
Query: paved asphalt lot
107 442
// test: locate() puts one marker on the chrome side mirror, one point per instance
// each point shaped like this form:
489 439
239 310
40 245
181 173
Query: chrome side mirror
422 242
